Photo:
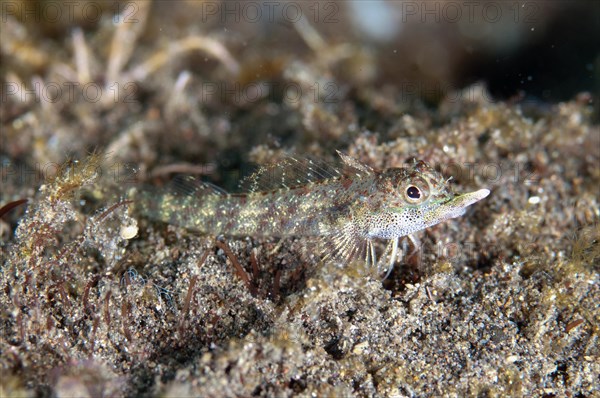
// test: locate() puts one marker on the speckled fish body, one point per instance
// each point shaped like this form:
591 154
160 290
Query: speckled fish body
347 210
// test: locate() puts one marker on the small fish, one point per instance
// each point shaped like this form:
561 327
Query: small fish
345 209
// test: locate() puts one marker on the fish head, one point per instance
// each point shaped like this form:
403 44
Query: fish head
415 198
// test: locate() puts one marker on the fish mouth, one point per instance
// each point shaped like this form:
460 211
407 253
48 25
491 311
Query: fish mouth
457 206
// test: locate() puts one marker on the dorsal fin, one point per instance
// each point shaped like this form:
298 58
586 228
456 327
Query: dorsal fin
292 171
360 168
289 172
191 186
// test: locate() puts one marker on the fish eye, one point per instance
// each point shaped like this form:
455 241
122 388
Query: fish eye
416 190
413 193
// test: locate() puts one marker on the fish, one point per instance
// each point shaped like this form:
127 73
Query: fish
346 209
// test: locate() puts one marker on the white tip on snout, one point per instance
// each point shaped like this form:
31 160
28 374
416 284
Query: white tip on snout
456 207
482 193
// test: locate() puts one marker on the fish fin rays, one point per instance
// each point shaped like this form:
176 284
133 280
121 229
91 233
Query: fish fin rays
191 186
289 172
293 171
348 246
343 246
355 165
